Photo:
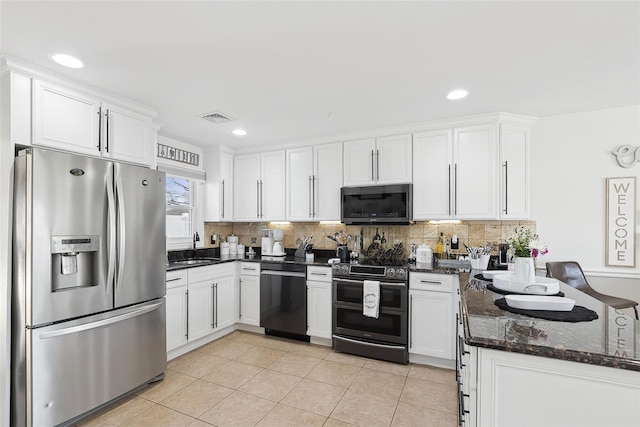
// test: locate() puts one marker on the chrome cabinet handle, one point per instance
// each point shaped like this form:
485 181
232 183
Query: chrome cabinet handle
315 273
431 281
99 129
313 197
506 187
377 165
258 199
310 197
240 301
186 332
107 116
449 173
173 280
373 176
455 189
213 306
410 322
222 213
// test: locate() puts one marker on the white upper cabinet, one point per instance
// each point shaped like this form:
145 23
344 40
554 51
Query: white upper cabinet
218 167
259 186
514 174
313 180
455 173
474 172
72 120
372 161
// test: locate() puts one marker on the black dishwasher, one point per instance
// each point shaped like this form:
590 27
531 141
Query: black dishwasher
283 300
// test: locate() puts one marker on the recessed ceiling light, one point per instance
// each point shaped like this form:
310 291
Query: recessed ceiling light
67 60
457 94
239 132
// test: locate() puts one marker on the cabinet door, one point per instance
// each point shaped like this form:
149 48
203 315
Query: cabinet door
393 159
250 300
474 172
176 317
359 162
225 298
273 189
66 119
431 331
514 174
127 135
226 187
200 309
327 162
300 181
432 186
246 180
319 309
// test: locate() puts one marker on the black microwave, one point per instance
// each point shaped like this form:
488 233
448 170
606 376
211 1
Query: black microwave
377 204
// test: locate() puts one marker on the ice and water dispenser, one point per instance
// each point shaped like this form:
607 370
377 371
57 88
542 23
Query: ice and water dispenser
74 261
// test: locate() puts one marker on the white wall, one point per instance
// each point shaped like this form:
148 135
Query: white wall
571 157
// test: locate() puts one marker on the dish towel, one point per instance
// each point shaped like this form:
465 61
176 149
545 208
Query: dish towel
371 298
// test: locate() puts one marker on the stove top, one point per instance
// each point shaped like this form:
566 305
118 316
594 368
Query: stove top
373 269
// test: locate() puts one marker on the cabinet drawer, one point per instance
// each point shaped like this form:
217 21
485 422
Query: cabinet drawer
250 268
176 278
432 282
319 274
198 274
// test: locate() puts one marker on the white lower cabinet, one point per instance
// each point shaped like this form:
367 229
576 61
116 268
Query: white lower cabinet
249 293
176 309
524 390
319 302
432 315
200 301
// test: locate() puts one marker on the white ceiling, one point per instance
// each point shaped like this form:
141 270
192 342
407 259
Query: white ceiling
295 70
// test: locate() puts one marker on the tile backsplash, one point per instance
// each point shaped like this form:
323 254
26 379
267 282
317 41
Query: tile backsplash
471 233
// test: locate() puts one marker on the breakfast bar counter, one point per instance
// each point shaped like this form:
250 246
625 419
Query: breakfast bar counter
514 369
613 339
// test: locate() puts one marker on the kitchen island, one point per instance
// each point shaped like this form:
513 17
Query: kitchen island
520 370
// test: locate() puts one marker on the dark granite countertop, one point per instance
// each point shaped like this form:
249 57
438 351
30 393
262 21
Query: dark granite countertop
213 257
611 340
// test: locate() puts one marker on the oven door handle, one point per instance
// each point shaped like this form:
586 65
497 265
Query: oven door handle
342 337
360 282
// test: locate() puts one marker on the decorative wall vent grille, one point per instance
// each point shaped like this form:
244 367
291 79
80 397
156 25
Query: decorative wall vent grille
217 118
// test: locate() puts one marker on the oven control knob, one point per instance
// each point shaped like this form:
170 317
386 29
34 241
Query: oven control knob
390 272
344 269
335 268
401 273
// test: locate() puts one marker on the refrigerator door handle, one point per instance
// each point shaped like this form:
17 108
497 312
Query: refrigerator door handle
100 323
121 231
111 261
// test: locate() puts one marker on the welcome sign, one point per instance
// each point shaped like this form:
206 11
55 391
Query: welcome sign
621 222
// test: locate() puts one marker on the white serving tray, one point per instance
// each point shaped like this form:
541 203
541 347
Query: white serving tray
542 285
540 302
490 274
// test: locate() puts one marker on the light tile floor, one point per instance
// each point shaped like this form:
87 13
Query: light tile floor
247 379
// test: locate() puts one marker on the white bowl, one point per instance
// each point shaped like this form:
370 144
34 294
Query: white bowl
490 274
539 302
542 285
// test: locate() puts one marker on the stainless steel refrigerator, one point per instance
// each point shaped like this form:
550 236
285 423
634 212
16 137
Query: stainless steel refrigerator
88 310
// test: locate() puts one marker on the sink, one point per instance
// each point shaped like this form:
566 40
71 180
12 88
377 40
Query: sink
196 261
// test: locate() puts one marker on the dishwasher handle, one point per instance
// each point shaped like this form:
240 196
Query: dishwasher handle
282 273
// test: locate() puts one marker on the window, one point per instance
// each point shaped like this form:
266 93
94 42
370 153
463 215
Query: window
182 196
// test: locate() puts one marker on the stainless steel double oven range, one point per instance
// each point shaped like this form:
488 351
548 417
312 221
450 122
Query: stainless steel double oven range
385 337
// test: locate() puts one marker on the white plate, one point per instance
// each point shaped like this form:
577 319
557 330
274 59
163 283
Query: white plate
542 285
490 274
539 302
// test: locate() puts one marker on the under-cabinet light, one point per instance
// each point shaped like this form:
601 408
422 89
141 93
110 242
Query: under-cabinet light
239 132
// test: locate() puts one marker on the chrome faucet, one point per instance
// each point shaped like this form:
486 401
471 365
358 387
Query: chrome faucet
196 238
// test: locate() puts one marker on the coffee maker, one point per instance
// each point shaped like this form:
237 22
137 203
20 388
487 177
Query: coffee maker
267 241
278 249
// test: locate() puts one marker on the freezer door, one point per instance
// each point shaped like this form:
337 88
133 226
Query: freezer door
61 237
78 365
141 266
